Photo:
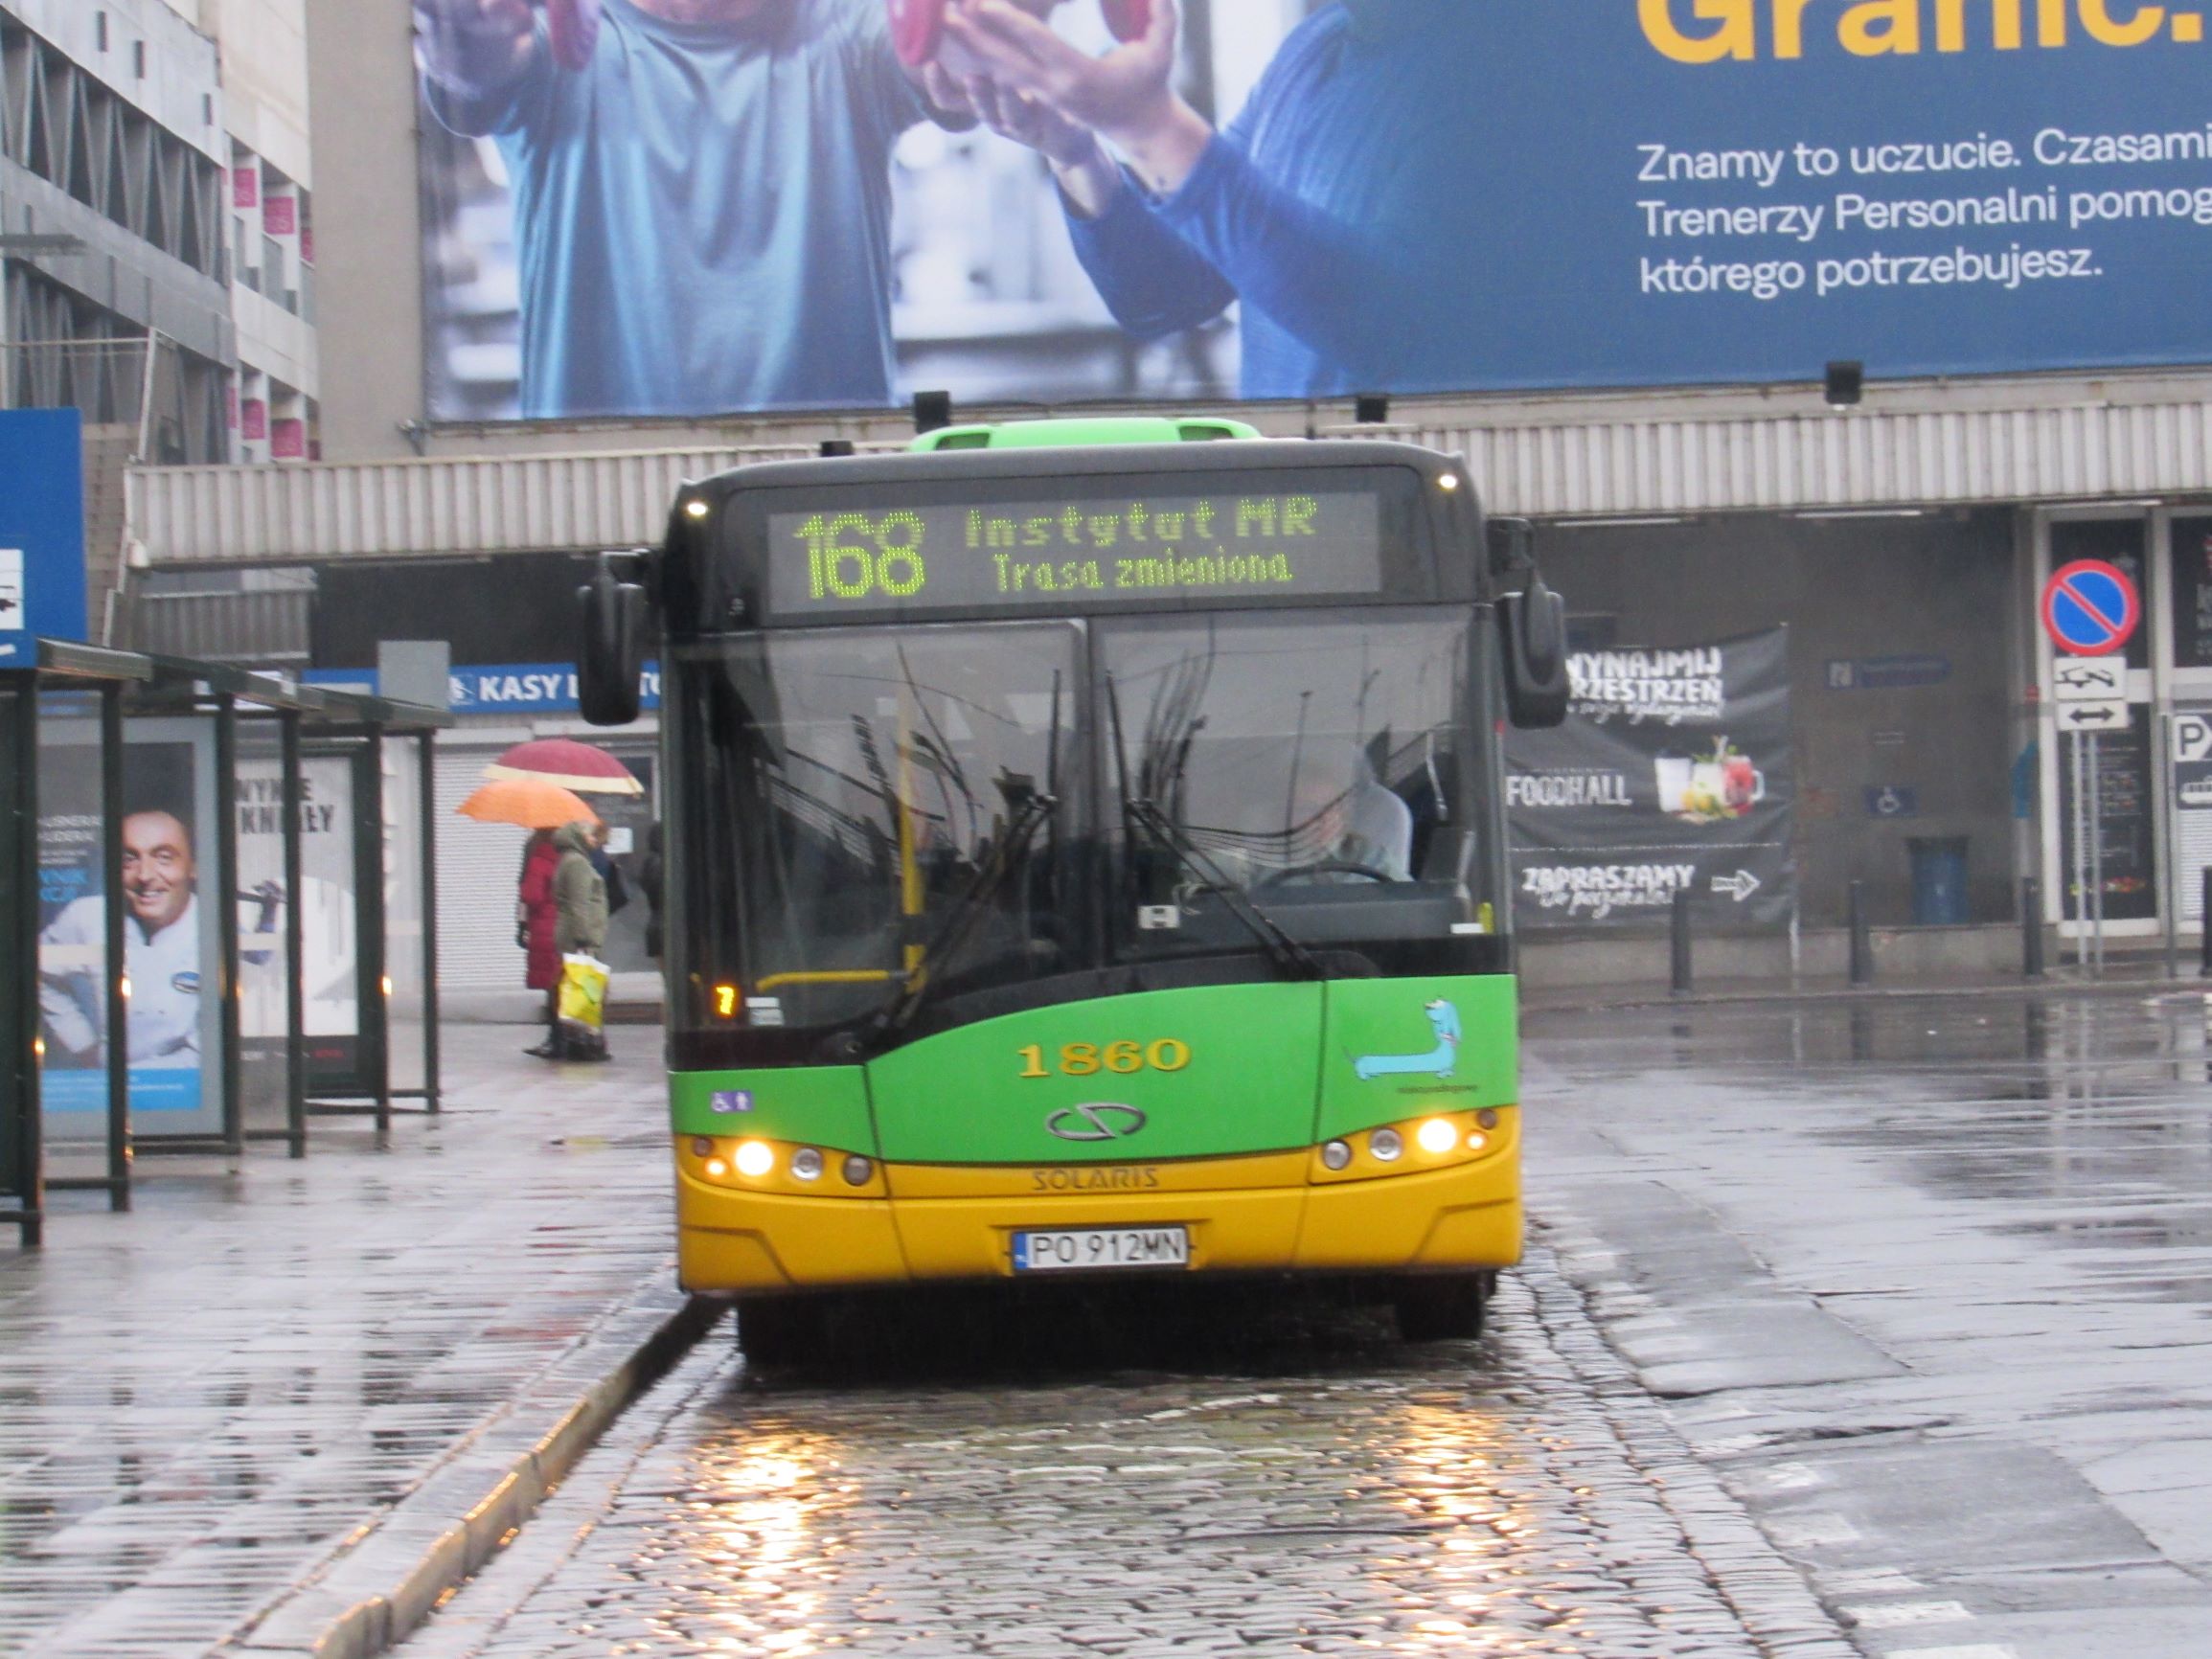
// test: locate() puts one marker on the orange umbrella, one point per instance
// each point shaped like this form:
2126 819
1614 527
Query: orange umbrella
530 801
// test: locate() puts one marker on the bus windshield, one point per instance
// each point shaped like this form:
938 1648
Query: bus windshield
852 792
1316 771
992 806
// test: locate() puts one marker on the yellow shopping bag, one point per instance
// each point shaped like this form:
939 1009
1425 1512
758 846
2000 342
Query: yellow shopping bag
583 993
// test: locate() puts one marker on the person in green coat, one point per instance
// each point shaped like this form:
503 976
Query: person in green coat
579 903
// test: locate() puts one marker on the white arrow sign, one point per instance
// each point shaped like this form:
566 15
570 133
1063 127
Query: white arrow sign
2109 716
1739 886
2089 679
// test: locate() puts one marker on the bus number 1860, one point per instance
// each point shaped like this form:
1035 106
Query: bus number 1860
1088 1059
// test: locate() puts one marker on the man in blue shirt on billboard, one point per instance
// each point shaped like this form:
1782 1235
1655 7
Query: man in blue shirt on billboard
1338 208
703 193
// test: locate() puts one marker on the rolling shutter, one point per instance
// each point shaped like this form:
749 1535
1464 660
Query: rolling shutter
478 865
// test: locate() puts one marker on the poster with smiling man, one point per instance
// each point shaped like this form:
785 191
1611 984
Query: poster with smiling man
172 1032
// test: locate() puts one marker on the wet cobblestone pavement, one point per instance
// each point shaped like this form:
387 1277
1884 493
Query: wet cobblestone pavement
1928 1284
1327 1490
200 1400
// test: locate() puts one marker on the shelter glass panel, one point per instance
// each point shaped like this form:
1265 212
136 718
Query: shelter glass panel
263 898
73 886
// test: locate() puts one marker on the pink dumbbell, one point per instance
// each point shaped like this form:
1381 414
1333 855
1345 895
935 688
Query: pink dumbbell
918 26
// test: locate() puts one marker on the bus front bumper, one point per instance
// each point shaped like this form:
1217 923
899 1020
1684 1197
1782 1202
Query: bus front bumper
923 1229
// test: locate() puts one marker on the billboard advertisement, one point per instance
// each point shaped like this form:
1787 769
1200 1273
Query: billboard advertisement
693 207
1671 774
330 966
170 938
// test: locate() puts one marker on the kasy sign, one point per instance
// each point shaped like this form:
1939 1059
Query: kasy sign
499 688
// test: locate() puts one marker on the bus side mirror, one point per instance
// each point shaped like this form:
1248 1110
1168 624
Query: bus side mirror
610 658
1535 625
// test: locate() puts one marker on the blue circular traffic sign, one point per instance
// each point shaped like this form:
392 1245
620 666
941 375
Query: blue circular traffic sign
2091 608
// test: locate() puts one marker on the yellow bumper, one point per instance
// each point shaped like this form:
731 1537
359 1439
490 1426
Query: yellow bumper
1267 1214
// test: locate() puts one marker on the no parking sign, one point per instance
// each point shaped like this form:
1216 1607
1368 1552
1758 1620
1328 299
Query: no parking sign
2091 608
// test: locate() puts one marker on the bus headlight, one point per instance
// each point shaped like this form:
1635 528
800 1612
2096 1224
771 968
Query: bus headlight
1335 1155
1437 1136
806 1163
858 1171
755 1159
1387 1144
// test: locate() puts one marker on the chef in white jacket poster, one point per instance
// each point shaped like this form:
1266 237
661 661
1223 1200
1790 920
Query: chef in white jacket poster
161 958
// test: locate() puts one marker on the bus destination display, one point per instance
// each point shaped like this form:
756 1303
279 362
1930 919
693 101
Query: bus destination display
1066 554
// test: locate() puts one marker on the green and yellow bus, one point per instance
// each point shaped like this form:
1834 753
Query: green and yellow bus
1086 856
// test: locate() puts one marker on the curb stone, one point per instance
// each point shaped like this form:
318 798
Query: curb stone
389 1575
1777 1607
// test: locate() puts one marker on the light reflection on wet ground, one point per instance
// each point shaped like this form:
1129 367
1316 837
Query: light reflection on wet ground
1300 1483
2087 1120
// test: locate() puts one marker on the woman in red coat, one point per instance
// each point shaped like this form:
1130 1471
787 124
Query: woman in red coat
539 915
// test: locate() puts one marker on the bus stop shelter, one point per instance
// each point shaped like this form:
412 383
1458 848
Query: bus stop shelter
233 872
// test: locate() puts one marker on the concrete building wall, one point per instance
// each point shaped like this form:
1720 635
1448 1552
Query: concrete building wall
264 58
360 84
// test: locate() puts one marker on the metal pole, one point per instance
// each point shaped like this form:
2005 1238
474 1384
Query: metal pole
429 791
376 1006
2031 928
19 1022
117 1023
2081 864
1861 939
1678 942
2164 852
293 787
226 808
2096 816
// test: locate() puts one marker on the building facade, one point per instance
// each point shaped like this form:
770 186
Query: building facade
1903 538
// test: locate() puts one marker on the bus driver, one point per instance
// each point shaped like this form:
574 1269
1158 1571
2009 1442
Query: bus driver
1364 825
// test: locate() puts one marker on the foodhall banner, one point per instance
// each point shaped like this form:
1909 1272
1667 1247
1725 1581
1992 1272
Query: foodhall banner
1672 774
767 208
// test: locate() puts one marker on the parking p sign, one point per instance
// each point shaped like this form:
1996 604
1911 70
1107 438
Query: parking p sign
2193 738
41 531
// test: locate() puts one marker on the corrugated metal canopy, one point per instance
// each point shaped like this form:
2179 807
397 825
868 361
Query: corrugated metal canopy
1987 444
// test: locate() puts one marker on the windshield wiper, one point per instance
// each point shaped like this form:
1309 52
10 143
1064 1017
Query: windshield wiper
1288 953
951 933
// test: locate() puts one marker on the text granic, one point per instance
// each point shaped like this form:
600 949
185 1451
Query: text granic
1714 31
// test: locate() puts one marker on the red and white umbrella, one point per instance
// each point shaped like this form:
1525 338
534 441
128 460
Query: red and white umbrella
569 763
